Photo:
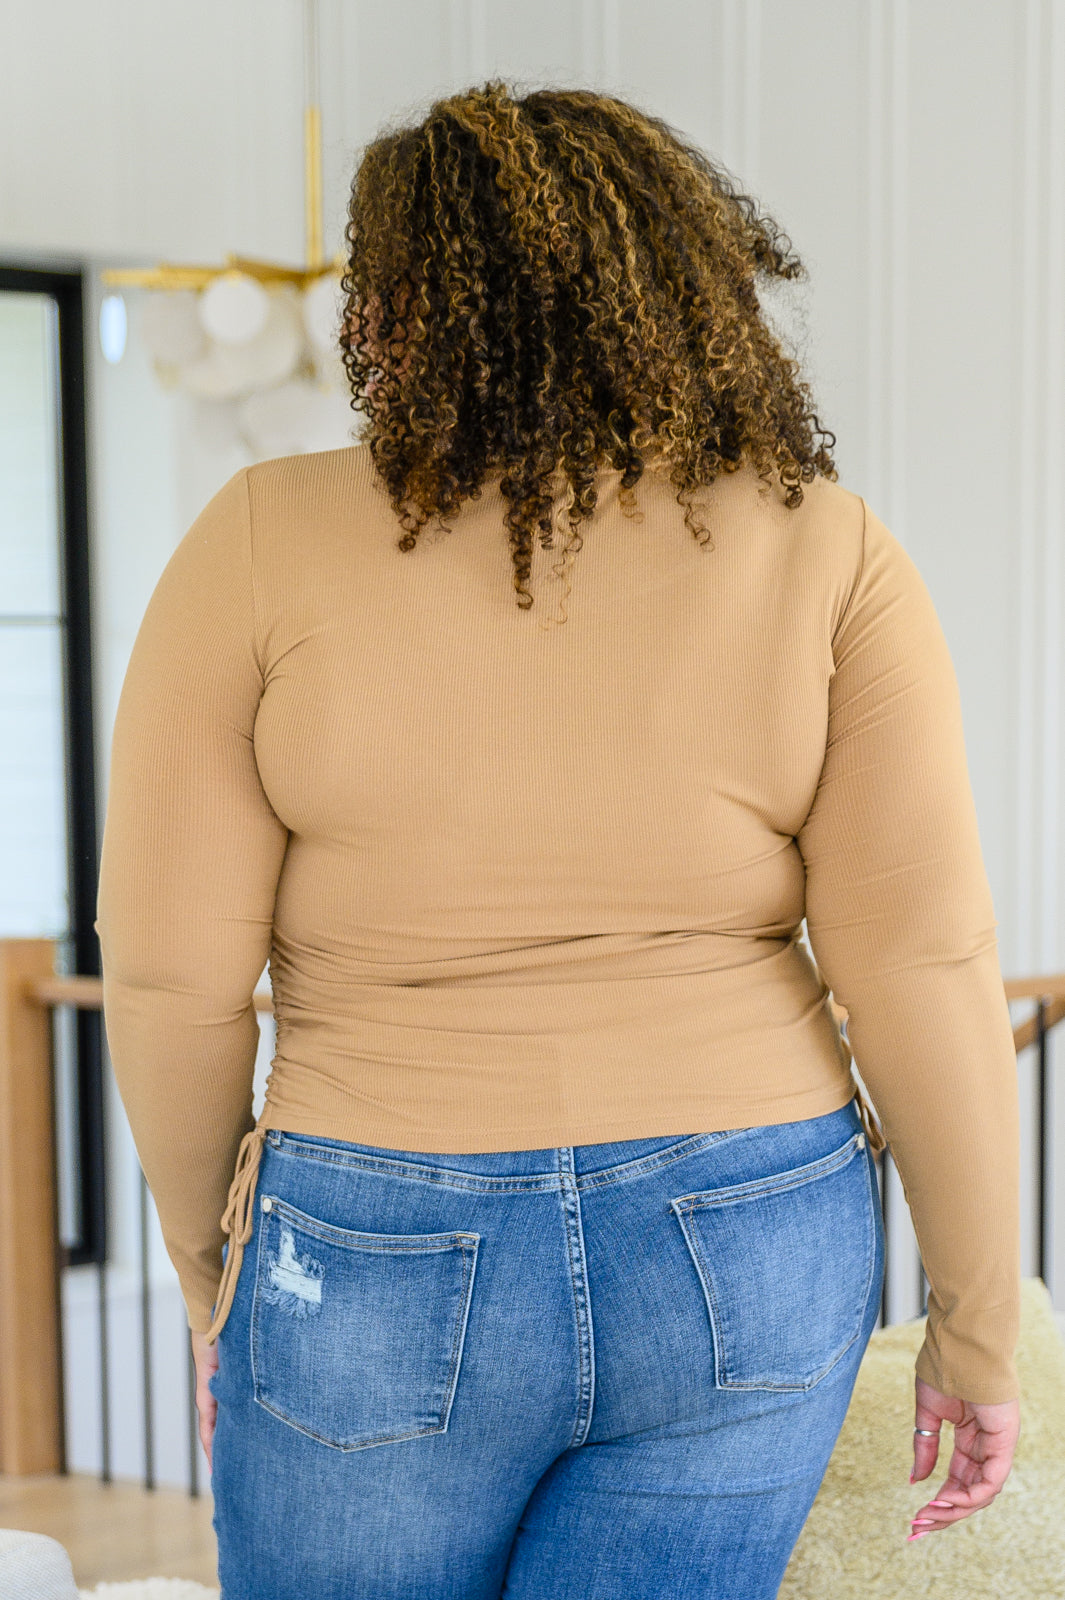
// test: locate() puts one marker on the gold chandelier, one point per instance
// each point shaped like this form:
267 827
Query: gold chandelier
256 344
169 275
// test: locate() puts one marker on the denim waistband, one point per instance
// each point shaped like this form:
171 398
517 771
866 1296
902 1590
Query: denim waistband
588 1164
613 1158
580 1160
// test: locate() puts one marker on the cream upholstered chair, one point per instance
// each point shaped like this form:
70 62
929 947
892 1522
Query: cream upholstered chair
854 1542
151 1589
34 1567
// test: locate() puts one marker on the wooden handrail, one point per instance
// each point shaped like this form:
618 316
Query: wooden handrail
1049 987
88 994
85 993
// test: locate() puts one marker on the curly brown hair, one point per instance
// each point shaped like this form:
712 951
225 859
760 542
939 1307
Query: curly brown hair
559 279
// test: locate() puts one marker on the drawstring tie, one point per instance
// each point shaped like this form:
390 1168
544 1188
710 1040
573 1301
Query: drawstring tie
873 1133
236 1221
873 1130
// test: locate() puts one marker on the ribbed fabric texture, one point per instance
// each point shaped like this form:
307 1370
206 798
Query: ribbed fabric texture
523 884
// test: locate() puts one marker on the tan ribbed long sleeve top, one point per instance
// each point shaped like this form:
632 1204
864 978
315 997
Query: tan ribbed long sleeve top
523 884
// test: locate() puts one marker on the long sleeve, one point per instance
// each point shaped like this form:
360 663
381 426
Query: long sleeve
901 922
191 855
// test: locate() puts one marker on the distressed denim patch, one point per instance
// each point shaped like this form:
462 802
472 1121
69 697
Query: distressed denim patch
293 1282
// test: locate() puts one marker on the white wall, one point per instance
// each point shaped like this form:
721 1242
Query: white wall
918 166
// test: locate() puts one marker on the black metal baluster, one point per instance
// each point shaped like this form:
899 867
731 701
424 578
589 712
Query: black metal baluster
885 1158
61 1251
921 1287
1043 1123
105 1383
194 1416
146 1334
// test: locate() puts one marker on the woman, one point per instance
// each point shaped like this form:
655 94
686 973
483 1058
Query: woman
560 1224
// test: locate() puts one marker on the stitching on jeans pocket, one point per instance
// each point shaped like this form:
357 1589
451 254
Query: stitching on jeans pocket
357 1338
785 1264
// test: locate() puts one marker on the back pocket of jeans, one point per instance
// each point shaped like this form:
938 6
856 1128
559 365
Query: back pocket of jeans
357 1338
786 1264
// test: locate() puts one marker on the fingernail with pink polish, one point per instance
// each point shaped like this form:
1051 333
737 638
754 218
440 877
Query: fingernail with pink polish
946 1505
922 1535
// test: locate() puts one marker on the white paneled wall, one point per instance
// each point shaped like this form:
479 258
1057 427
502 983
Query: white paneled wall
914 155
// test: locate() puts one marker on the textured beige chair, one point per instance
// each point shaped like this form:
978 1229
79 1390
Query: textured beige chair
34 1567
854 1542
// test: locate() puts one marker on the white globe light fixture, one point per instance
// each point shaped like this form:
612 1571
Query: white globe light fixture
322 312
256 329
227 370
234 308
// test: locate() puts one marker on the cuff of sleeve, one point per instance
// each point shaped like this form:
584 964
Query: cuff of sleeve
996 1385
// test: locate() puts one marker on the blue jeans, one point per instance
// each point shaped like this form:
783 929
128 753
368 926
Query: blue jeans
597 1372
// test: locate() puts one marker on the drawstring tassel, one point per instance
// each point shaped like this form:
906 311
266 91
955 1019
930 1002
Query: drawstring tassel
236 1221
873 1131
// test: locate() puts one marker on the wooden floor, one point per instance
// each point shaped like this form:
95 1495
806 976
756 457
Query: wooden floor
116 1531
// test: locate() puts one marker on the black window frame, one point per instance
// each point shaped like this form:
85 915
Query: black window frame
67 288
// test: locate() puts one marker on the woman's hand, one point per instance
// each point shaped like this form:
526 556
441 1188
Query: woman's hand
206 1358
985 1437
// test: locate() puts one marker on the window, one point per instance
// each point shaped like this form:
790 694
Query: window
48 845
